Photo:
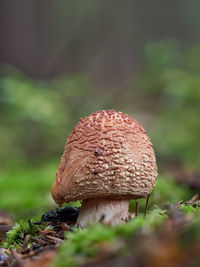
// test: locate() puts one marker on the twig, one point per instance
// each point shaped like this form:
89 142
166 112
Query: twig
56 239
146 206
194 198
136 208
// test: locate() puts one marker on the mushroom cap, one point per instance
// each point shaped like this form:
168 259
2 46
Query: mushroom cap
107 155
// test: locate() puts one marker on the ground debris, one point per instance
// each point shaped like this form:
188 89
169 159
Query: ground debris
42 258
174 242
194 202
4 257
43 243
67 214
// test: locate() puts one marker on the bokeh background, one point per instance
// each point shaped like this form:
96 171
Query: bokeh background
62 60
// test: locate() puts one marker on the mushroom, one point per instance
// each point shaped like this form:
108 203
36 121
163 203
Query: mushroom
108 159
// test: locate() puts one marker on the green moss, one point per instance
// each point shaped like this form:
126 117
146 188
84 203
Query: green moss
186 209
15 237
84 243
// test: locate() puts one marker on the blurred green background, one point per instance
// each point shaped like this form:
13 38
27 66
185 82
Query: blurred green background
60 61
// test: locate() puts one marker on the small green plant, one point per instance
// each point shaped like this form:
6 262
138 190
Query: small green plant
15 237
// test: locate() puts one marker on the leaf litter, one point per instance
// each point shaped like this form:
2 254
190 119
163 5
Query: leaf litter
164 237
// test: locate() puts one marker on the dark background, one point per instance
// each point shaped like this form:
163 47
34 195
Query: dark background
101 38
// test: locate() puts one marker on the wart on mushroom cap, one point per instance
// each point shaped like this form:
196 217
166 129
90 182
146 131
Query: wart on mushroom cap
108 159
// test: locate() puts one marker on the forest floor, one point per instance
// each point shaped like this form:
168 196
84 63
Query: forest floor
167 235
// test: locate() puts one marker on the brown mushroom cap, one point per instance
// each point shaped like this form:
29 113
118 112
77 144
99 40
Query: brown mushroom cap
107 155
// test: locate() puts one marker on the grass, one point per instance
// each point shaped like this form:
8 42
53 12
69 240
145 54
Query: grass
26 190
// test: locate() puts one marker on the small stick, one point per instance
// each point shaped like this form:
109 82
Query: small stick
26 239
147 202
56 239
136 208
194 198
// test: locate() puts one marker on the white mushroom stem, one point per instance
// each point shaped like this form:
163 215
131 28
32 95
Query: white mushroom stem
108 210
